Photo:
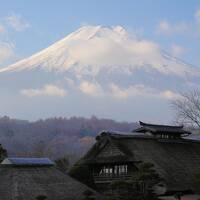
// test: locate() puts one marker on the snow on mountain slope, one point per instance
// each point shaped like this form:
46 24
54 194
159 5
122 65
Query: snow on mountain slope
114 73
92 49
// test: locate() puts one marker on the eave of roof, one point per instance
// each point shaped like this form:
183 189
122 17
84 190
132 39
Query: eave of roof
15 161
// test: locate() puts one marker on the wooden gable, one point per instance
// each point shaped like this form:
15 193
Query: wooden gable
110 150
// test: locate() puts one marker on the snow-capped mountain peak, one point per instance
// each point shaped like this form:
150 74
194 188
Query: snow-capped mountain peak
93 49
108 68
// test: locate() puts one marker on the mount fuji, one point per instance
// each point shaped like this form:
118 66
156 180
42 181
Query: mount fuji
106 71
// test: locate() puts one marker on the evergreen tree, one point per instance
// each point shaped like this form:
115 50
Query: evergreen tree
139 188
88 195
3 153
196 182
62 163
144 179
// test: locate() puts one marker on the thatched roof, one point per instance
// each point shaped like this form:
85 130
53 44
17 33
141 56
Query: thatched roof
155 128
176 160
22 182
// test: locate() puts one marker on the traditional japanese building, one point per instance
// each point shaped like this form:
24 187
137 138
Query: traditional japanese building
116 156
162 131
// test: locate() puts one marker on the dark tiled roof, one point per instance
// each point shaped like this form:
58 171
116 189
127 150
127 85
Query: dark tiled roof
154 128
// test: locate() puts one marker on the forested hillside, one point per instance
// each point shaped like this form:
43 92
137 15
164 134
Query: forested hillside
54 137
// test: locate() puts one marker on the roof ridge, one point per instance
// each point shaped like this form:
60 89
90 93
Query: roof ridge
117 135
161 125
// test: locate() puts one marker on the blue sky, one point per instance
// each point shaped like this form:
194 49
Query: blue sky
27 27
49 21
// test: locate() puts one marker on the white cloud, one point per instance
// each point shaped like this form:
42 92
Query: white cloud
112 49
168 94
92 89
6 51
117 92
47 90
140 91
135 90
197 16
6 46
167 28
164 27
178 50
17 22
70 82
191 28
2 28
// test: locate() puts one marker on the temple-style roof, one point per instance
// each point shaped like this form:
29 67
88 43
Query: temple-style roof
24 181
154 128
175 160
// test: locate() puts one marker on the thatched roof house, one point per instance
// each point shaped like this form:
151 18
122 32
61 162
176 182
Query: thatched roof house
33 178
116 156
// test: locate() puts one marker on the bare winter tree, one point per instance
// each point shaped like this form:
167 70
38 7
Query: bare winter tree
187 108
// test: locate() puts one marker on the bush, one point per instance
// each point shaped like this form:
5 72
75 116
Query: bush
83 174
196 182
62 164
